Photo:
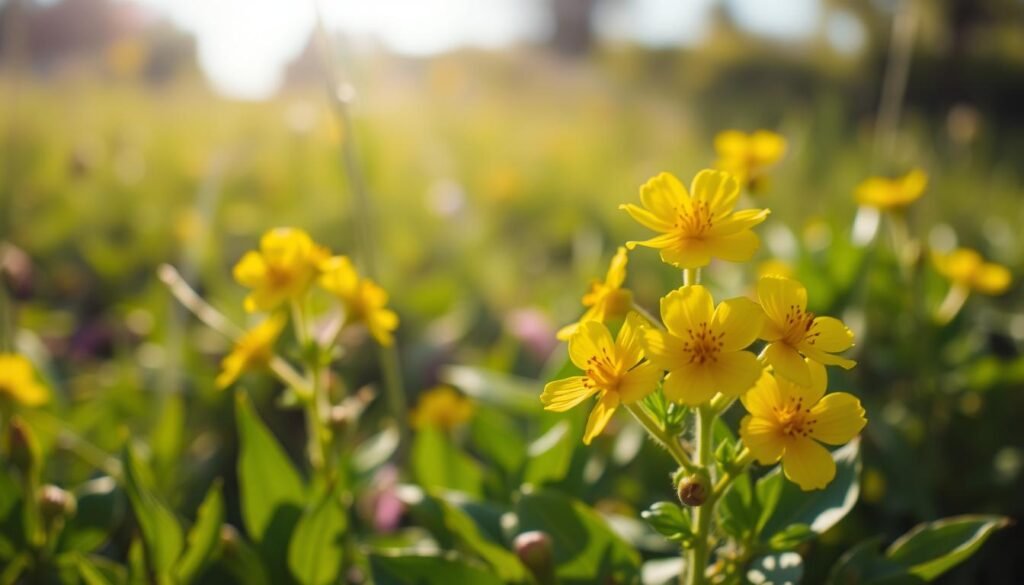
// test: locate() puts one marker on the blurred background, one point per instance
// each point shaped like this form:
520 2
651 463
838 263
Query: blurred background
496 140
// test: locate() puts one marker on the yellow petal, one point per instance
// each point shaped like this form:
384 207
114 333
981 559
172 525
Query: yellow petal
778 296
566 333
561 395
763 438
732 144
767 147
686 309
788 363
690 384
718 189
662 195
838 418
739 321
826 358
599 417
663 349
251 270
808 464
646 218
639 382
992 279
735 372
688 253
811 392
592 339
739 221
738 247
762 400
629 342
829 334
617 269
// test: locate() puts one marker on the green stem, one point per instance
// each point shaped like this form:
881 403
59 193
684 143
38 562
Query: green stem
319 405
701 519
670 443
951 305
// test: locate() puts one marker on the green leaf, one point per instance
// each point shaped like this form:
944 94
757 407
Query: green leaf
736 511
167 438
462 526
427 570
239 559
11 528
778 569
550 456
204 536
798 515
865 565
315 552
669 520
272 491
509 393
436 463
932 548
9 575
586 550
95 571
100 508
162 534
496 436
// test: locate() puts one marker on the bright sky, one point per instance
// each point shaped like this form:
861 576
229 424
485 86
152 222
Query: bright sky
245 44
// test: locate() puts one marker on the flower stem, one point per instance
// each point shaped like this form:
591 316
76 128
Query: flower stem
951 305
319 405
211 317
701 519
670 443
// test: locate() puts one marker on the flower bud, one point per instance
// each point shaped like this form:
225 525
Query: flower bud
229 540
534 550
693 490
55 503
22 445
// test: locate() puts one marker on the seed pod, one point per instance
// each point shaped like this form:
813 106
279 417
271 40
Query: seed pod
693 490
56 503
534 550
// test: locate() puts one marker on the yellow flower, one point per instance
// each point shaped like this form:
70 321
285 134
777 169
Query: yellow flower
18 381
612 370
790 331
699 226
966 268
892 194
775 268
788 421
254 349
282 270
364 300
703 346
441 407
604 299
748 156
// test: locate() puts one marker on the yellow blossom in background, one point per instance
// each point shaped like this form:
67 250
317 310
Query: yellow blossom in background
790 422
441 407
254 349
892 194
791 330
282 270
748 156
612 370
365 302
604 299
696 227
18 381
703 347
775 267
967 269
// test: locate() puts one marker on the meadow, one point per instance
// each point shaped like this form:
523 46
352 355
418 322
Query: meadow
494 185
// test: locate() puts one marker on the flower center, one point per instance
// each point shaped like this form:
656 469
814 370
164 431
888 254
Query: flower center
696 221
704 345
601 372
798 326
794 419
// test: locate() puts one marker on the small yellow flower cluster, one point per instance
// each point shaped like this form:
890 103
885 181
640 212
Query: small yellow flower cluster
18 381
699 353
749 157
282 272
887 194
441 407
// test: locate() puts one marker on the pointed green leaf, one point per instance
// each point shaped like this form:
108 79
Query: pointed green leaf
315 552
418 569
204 536
932 548
161 532
437 463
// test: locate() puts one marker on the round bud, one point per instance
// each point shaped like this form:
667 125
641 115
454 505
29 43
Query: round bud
534 550
693 490
56 503
229 540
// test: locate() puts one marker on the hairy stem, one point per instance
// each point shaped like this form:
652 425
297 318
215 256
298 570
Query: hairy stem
670 443
701 515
